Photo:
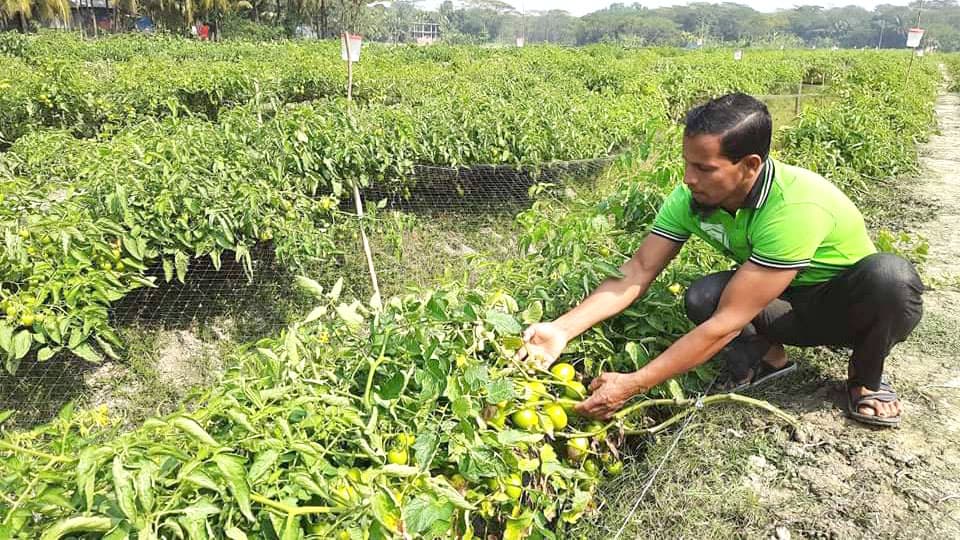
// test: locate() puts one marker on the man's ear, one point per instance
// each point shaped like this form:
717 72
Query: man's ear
751 165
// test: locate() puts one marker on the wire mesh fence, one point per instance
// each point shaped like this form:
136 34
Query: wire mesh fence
419 230
432 220
480 188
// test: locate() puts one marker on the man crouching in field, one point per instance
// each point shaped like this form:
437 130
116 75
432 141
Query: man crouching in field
808 273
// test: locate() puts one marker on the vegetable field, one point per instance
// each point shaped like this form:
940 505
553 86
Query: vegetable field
126 160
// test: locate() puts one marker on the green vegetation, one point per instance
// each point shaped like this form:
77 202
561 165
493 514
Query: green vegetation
381 417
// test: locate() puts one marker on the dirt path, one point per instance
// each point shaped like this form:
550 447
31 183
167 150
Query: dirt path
851 481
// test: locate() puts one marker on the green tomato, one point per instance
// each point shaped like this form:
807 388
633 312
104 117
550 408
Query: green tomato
590 467
27 319
526 419
11 312
563 371
547 453
499 419
574 390
344 493
557 416
398 456
577 448
458 481
615 468
513 486
534 390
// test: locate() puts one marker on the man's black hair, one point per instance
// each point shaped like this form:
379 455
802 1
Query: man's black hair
742 121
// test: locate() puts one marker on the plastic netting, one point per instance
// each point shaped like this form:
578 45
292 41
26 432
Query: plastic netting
226 303
437 204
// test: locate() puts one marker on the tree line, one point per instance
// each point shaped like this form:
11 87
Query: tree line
497 21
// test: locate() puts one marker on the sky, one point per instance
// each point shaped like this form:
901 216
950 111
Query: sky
582 7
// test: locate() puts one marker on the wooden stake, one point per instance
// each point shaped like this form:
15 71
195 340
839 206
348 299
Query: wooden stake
356 189
796 112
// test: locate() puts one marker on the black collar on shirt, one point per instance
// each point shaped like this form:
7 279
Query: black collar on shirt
755 198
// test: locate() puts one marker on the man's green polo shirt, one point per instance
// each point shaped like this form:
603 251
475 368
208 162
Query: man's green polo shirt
792 219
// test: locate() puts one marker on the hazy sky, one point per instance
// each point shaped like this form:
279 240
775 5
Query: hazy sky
582 7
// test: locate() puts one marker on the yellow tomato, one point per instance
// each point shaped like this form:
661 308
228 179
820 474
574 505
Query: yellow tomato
563 371
513 486
557 416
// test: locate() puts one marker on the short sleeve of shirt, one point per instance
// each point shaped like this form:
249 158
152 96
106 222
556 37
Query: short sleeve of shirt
673 216
789 238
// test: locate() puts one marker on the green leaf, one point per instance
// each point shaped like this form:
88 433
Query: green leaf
291 528
424 448
86 352
426 513
315 313
500 390
6 336
533 314
132 247
349 314
608 270
193 429
234 533
45 354
262 464
200 509
149 282
385 510
181 261
481 461
234 472
123 490
502 322
442 488
310 286
511 437
201 479
518 527
90 459
476 376
167 270
144 485
336 290
21 344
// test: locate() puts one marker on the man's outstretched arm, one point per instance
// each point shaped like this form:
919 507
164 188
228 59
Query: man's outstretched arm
750 290
545 341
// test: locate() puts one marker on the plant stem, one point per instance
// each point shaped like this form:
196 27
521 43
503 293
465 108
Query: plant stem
296 510
63 459
709 400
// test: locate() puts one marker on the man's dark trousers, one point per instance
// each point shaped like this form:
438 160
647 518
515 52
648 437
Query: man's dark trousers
869 307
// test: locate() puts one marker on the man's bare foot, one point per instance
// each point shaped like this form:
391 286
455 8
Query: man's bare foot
872 407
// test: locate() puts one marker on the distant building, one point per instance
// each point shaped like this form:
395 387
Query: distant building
425 33
90 12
